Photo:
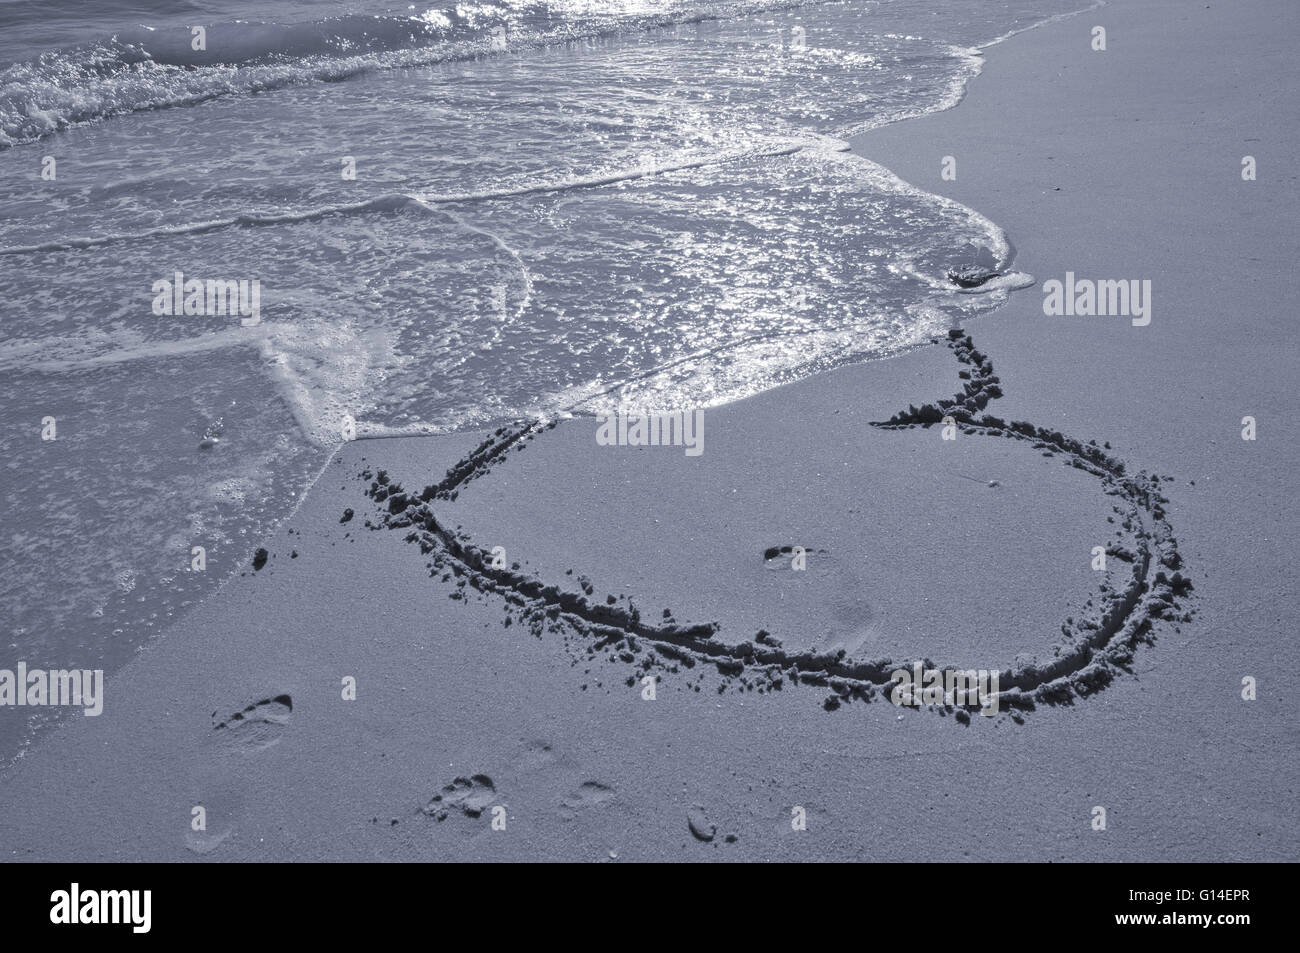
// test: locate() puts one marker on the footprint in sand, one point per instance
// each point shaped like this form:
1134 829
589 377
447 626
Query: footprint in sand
258 726
469 796
222 773
588 795
787 558
536 754
201 842
222 800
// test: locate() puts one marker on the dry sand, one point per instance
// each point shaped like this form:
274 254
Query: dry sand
1116 164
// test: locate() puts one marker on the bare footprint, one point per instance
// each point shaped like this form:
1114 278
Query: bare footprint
258 726
589 794
698 824
469 796
783 558
536 754
205 843
219 802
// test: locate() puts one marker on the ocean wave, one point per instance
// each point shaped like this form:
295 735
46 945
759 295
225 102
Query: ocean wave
146 68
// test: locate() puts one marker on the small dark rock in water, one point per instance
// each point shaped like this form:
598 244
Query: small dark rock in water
259 559
699 824
968 277
347 515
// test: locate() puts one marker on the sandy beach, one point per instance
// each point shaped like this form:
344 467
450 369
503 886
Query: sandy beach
390 678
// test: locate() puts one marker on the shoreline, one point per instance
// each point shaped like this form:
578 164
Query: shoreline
312 433
587 768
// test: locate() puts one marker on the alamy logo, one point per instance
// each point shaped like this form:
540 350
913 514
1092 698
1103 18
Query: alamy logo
213 297
932 686
1124 297
56 687
103 906
654 430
